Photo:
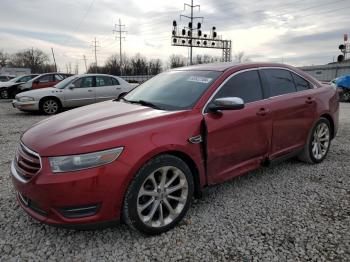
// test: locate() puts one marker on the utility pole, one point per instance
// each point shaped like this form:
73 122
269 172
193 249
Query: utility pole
190 25
95 46
54 60
84 57
120 37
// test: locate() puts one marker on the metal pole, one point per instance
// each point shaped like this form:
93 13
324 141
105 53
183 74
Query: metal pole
54 60
191 30
120 46
95 45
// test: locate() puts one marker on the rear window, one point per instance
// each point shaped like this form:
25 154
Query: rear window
280 81
301 83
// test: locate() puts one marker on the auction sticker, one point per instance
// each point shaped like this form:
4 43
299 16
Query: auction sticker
199 79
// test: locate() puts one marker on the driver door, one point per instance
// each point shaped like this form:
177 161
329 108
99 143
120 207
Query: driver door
238 140
80 92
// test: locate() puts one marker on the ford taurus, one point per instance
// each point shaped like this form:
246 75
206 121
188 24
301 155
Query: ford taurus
142 159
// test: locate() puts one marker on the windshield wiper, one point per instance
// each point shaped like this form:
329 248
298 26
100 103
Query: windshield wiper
140 102
143 103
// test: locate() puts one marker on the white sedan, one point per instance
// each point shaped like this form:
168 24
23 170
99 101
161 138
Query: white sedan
74 91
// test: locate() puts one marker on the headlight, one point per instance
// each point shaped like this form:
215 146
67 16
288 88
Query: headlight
78 162
25 99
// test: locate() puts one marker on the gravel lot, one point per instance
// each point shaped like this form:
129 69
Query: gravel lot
292 211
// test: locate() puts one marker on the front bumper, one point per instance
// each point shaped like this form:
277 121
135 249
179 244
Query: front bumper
26 106
78 198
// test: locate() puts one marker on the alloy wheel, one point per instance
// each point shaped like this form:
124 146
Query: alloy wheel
162 196
50 107
321 141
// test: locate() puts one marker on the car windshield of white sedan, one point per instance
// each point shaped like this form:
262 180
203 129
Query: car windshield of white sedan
173 90
65 82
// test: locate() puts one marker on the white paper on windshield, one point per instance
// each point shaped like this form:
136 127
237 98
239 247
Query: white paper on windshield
199 79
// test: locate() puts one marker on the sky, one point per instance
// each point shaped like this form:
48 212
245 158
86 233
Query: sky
296 32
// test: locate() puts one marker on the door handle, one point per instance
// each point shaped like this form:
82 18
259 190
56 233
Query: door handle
262 112
89 90
309 100
118 88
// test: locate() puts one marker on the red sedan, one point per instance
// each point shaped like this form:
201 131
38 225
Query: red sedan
143 158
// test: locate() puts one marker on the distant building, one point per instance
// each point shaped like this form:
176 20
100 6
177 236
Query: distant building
14 71
329 71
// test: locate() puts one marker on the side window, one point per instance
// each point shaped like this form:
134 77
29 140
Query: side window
115 82
58 77
45 79
245 85
103 81
280 81
84 82
301 83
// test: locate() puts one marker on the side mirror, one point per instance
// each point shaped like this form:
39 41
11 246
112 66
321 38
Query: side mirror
71 86
227 103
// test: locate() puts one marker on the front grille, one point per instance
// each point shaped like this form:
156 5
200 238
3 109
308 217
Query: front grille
27 162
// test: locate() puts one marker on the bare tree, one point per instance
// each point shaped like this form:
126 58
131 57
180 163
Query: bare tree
139 65
4 58
35 59
177 61
241 57
154 67
206 59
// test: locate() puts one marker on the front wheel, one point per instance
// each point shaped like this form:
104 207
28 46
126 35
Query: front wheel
318 143
4 94
159 196
50 106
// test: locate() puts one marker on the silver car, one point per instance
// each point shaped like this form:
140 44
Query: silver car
74 91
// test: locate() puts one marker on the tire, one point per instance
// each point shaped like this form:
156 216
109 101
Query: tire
314 154
345 96
4 94
147 201
50 106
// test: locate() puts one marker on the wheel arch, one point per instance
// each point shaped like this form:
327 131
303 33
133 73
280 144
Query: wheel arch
49 97
193 167
331 122
177 153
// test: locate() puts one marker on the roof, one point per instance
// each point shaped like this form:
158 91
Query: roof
223 66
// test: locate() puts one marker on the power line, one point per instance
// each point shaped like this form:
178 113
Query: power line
82 20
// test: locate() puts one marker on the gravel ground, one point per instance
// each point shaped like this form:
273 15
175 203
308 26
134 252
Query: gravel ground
291 212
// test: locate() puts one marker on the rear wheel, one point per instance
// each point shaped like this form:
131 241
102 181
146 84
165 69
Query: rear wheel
318 143
4 94
50 106
159 196
345 96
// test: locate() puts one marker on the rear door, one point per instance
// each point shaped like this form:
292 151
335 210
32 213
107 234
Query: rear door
82 92
106 88
293 108
43 81
238 140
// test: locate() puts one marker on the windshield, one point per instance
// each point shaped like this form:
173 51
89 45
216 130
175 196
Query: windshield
15 79
173 90
65 82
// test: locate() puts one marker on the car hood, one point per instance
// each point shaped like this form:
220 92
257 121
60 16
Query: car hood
7 84
91 128
39 92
